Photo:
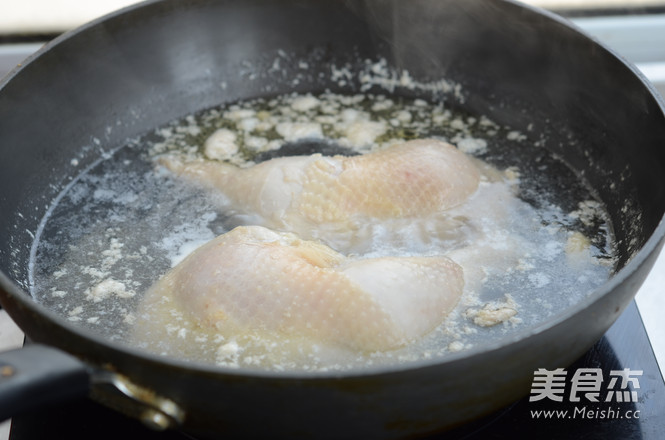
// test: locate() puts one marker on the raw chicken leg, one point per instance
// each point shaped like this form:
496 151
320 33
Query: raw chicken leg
327 197
256 281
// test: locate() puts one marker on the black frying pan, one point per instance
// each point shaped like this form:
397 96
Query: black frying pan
150 64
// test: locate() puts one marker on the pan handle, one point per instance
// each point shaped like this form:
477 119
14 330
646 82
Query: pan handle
38 375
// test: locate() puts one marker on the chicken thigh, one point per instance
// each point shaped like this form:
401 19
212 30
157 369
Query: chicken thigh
332 198
255 281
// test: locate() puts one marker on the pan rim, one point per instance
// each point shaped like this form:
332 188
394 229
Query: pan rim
47 46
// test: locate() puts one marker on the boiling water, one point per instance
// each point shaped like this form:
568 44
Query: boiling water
541 241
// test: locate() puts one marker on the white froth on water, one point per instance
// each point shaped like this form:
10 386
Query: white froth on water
129 222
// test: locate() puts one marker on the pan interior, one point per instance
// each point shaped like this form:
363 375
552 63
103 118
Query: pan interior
125 222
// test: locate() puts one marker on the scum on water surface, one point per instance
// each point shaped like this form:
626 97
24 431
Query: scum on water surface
124 222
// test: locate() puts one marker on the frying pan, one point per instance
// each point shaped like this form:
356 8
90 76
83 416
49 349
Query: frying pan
118 77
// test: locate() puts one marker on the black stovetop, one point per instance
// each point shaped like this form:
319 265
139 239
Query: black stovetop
624 346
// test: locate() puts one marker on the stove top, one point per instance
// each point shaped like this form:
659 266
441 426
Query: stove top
636 412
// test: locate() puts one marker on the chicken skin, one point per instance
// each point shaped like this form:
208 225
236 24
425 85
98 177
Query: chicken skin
335 199
252 280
